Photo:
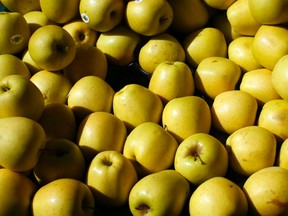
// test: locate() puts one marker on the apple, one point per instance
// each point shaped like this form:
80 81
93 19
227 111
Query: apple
281 159
202 43
81 33
58 121
101 16
200 157
19 96
232 110
88 60
30 63
22 7
61 158
215 75
161 193
13 40
21 143
53 85
149 17
218 196
94 134
52 47
64 196
17 192
172 80
250 149
220 5
11 64
90 94
119 45
185 116
135 104
111 177
266 191
145 144
60 11
160 48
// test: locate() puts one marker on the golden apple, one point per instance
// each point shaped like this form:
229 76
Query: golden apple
219 4
23 7
282 159
30 63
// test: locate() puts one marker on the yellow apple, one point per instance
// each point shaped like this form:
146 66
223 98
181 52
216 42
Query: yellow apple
241 19
60 11
64 196
19 96
218 196
11 64
23 7
203 43
266 191
240 51
94 134
282 159
149 17
215 75
188 15
111 177
119 45
17 192
145 143
268 12
232 110
250 149
219 4
102 16
259 84
163 193
13 40
21 142
272 116
58 121
53 85
135 104
30 63
185 116
270 44
160 48
200 157
61 158
88 61
90 94
172 80
81 33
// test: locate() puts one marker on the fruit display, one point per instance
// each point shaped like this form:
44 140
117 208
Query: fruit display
143 107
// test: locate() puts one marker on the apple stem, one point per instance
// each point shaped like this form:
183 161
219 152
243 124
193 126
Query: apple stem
197 156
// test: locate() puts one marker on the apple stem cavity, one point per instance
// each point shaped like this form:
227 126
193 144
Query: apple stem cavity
143 208
5 88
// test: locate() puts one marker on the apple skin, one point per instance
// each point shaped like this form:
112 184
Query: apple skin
61 158
161 193
22 140
16 193
52 47
111 177
64 196
201 157
19 96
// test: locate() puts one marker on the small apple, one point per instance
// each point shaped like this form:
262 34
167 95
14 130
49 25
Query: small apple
162 193
19 96
30 63
111 177
21 142
23 7
145 143
52 47
17 192
220 5
282 158
61 158
64 196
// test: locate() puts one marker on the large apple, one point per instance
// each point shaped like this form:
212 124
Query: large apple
61 158
23 7
19 96
52 47
21 143
16 193
162 193
218 196
64 196
145 143
111 177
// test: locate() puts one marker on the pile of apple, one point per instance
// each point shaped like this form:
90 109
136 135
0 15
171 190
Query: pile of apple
144 107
